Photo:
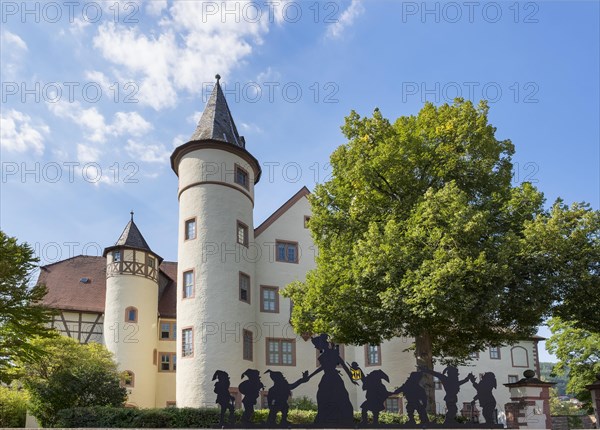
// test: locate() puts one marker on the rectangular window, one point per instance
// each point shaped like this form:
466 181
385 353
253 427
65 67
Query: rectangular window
512 379
474 355
286 251
167 362
188 284
373 353
269 299
150 261
190 229
392 404
281 352
306 221
242 233
244 287
116 256
187 342
241 176
248 343
495 352
437 384
168 330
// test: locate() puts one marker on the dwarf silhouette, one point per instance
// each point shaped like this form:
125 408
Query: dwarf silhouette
250 388
416 398
484 394
278 396
224 398
376 395
451 383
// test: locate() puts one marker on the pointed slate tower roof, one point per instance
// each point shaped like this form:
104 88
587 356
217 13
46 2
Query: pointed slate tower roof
216 129
216 122
131 238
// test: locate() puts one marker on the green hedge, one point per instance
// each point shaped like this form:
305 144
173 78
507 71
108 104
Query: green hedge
180 417
13 407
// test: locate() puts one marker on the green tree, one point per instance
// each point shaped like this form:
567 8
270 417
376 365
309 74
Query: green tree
422 234
578 353
22 316
71 375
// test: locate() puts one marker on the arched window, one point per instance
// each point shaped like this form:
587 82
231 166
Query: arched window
519 357
131 314
128 380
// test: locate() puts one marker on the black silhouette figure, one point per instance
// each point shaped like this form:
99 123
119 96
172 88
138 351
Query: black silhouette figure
333 402
376 395
451 383
250 388
484 394
278 396
416 398
224 398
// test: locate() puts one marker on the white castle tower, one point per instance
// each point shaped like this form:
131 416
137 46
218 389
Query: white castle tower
130 319
216 283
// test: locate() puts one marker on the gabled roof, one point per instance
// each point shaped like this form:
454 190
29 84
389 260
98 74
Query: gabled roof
279 212
216 122
67 292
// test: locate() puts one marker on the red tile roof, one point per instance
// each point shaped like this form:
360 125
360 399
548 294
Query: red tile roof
67 292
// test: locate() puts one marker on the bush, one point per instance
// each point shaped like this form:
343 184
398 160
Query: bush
13 406
184 417
303 403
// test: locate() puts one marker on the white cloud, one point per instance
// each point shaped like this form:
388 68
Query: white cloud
13 51
129 123
268 75
94 124
150 153
346 19
194 118
250 127
87 154
18 134
184 53
155 7
179 140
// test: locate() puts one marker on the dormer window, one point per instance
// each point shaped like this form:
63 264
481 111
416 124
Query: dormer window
116 256
241 176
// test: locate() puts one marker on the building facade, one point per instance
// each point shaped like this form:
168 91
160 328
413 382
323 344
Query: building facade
171 325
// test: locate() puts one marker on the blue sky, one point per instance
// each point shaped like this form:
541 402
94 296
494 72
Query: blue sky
95 96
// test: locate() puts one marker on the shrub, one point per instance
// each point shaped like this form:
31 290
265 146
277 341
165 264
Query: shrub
303 403
13 407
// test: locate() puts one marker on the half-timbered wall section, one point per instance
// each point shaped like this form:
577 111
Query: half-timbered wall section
83 326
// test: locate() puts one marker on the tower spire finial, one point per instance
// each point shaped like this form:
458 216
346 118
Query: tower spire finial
217 77
131 214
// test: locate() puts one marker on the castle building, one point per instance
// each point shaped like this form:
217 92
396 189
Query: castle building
171 325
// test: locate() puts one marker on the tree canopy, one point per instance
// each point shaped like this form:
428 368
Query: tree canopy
22 316
70 375
578 353
421 233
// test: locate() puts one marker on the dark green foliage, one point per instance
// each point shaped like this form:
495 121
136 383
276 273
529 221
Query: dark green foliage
547 372
22 316
70 375
303 403
13 406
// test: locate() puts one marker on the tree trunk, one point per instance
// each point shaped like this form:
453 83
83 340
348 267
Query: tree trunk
425 359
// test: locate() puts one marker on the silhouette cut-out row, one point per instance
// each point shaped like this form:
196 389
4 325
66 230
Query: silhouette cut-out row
334 408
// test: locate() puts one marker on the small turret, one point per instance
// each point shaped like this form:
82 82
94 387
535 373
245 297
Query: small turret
130 315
